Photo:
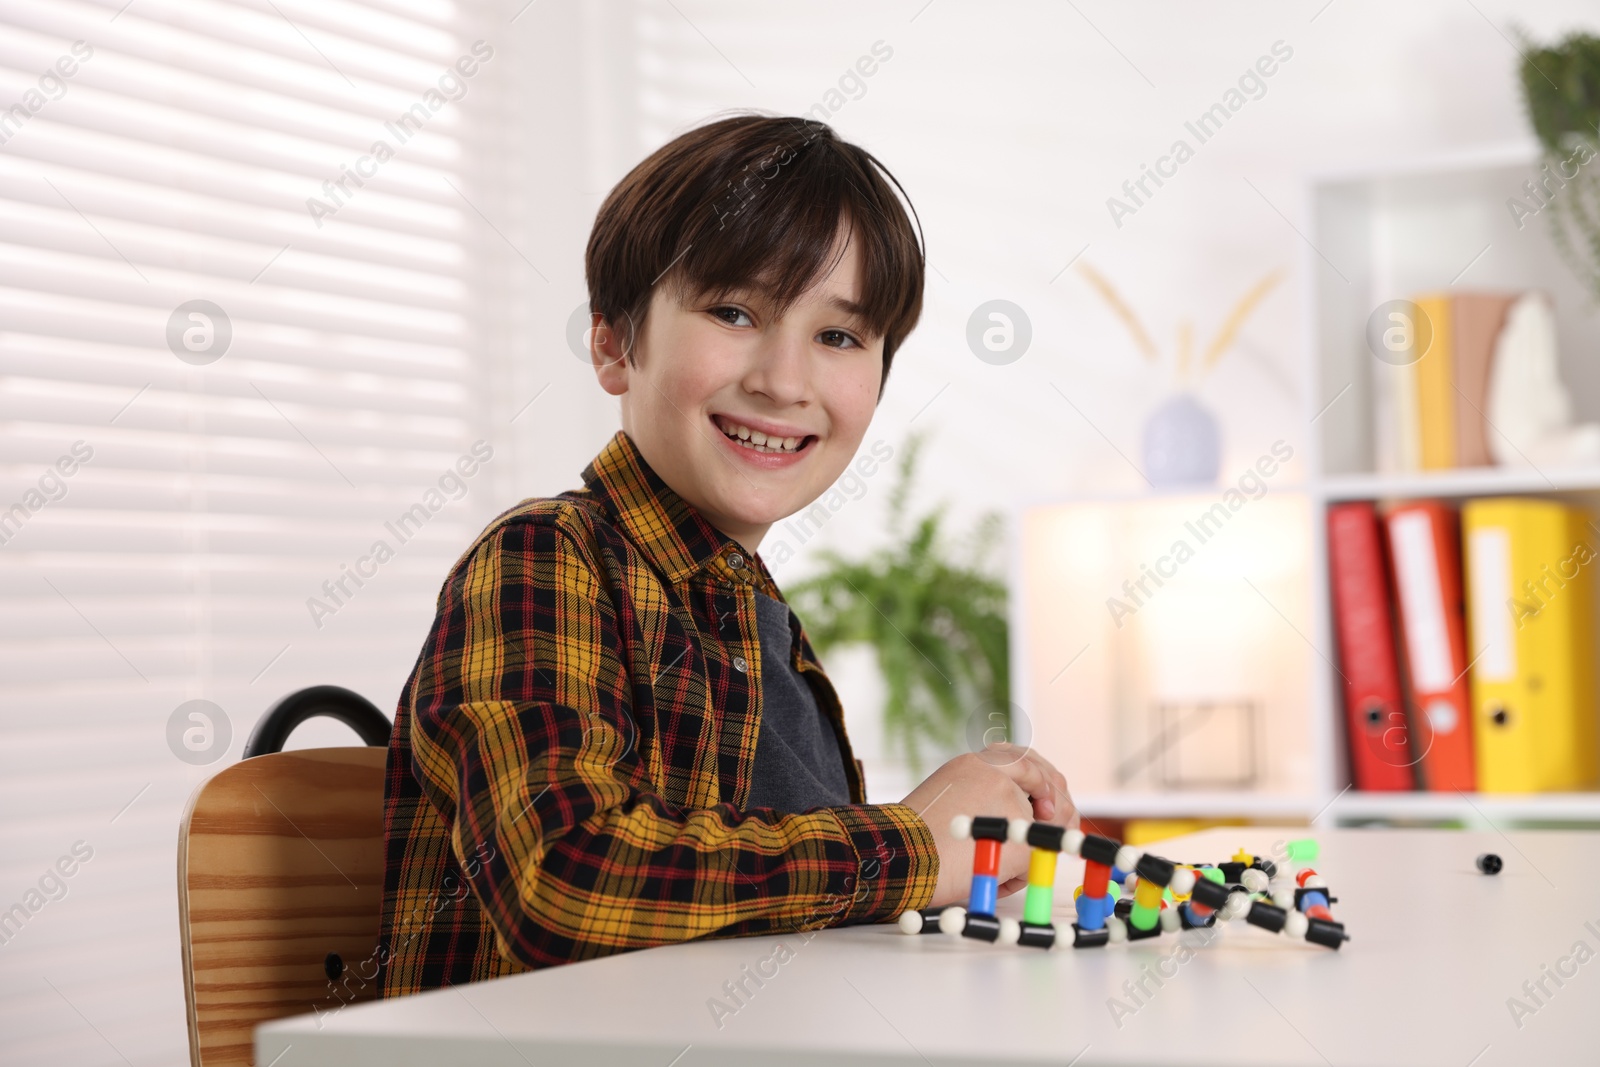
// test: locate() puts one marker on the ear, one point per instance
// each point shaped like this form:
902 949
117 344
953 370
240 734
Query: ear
609 356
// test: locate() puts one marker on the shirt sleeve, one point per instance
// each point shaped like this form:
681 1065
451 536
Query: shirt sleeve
523 740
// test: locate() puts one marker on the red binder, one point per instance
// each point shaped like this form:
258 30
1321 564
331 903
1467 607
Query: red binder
1380 752
1425 546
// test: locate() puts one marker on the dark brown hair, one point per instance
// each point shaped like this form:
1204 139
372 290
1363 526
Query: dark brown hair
754 199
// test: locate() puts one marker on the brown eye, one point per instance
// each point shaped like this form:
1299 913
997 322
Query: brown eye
841 334
719 313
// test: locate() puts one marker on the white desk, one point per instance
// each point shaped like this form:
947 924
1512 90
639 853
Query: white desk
1436 951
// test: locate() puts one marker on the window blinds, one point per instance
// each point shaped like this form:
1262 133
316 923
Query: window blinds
240 413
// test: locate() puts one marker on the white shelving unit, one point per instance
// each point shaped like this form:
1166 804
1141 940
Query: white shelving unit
1461 483
1472 809
1349 807
1371 235
1190 805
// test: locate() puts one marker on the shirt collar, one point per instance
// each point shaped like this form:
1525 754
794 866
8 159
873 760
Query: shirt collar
671 534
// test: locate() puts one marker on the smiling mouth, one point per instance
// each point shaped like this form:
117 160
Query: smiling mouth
756 441
759 442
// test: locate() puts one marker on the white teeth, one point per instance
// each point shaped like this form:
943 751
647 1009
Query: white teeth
757 441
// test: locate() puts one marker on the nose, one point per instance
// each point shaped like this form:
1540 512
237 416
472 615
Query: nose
780 369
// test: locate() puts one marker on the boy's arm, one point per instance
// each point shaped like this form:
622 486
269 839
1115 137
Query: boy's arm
522 739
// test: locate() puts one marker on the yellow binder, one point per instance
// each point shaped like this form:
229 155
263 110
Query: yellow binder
1530 624
1435 386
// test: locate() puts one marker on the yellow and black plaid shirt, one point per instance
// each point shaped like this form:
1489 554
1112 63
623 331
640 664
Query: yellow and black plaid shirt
572 753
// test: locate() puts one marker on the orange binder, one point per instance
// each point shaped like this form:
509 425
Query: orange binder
1425 548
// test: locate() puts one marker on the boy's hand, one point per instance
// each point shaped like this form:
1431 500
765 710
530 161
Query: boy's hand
1004 780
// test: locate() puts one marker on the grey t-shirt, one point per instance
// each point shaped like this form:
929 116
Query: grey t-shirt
798 764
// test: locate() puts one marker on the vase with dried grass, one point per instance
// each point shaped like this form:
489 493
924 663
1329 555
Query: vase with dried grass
1182 441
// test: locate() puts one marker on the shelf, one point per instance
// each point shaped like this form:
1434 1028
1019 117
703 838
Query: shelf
1471 808
1522 152
1462 482
1236 804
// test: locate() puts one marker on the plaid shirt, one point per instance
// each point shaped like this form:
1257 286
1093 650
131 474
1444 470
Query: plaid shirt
572 752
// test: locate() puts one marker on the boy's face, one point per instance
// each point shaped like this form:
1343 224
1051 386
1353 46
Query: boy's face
710 378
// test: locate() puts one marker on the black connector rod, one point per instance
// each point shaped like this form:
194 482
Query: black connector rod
1082 938
1267 916
1154 869
1212 894
988 828
1044 835
1097 849
981 927
1326 933
1037 935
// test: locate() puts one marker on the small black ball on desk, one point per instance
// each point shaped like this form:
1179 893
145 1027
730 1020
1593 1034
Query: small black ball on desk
1489 863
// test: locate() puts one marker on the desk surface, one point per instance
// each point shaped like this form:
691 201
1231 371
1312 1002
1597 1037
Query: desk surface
1437 952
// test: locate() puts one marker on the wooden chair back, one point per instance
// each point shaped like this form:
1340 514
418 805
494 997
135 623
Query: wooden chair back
280 884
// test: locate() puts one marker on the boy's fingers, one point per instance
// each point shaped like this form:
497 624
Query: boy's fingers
1067 813
1035 776
1006 756
1070 807
1060 800
1044 785
1049 769
1031 779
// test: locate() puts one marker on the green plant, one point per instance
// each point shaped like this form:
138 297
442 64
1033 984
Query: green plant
1561 88
932 613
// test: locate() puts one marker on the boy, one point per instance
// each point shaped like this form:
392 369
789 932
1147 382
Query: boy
616 734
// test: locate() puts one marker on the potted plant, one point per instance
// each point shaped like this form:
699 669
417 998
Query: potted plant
934 617
1561 88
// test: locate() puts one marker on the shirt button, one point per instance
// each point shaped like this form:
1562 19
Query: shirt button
736 561
740 665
